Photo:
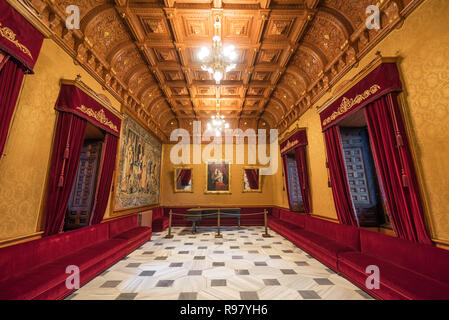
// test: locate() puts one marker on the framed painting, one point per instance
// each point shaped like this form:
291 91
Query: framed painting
218 177
139 168
252 180
183 179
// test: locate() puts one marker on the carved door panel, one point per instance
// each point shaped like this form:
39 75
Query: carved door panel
83 191
293 184
361 175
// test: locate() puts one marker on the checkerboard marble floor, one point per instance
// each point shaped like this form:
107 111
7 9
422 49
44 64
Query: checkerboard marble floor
241 265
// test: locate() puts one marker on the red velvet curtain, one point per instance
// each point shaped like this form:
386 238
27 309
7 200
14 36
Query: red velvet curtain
67 146
3 59
105 178
300 155
11 76
253 178
395 165
284 161
184 176
337 172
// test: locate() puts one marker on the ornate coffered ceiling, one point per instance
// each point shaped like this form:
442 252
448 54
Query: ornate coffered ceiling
290 52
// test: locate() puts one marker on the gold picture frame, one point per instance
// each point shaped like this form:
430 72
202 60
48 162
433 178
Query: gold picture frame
176 187
218 182
244 189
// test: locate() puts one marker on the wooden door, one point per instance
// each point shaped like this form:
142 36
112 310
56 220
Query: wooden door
361 176
294 187
83 191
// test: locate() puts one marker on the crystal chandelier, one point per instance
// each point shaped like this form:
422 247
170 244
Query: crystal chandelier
217 60
217 124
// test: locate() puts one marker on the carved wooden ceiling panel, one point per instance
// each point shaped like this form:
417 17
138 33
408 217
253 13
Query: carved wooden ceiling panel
290 52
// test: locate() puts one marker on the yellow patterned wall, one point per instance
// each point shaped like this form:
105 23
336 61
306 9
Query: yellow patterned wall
321 194
199 198
422 43
23 168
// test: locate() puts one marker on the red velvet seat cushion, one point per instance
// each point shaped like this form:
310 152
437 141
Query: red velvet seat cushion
295 218
37 281
134 234
425 259
275 212
160 224
88 256
395 281
32 283
282 227
28 255
322 248
121 225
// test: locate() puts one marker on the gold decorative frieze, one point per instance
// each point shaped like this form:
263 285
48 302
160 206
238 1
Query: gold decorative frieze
289 145
9 35
347 104
99 116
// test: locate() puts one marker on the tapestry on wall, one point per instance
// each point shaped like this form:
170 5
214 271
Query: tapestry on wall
138 175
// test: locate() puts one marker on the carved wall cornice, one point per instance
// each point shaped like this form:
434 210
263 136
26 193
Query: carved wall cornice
290 53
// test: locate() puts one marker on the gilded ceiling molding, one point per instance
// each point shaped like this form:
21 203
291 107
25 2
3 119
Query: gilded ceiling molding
166 37
287 91
51 20
340 66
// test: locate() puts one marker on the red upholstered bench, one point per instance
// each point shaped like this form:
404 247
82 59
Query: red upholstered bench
286 223
407 270
37 269
326 240
128 229
322 239
160 221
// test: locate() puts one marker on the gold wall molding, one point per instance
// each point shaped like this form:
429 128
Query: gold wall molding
19 239
441 243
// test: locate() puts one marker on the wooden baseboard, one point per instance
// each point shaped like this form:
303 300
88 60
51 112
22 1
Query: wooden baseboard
387 231
19 239
441 243
324 218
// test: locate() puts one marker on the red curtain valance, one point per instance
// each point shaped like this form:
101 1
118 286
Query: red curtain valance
74 100
18 37
298 139
381 81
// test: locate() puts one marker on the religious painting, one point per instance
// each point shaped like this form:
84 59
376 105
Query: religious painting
252 179
183 179
218 175
138 175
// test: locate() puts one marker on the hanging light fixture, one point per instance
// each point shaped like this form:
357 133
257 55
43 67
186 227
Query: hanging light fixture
218 123
217 60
